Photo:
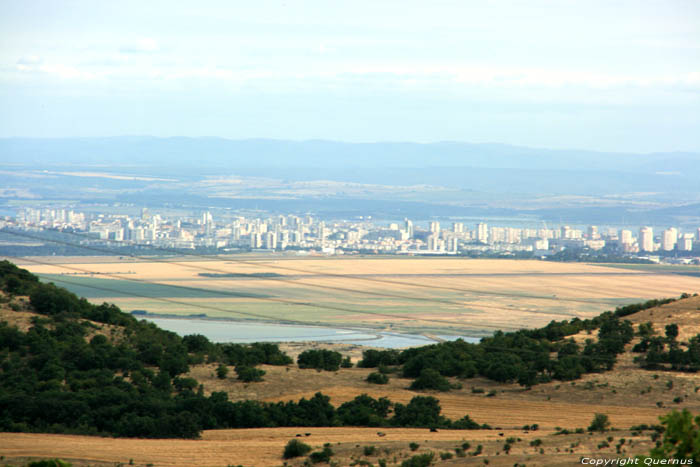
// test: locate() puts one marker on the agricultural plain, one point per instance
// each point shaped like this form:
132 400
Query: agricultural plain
426 295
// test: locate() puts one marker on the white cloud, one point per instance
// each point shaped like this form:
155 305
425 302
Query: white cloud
29 60
143 45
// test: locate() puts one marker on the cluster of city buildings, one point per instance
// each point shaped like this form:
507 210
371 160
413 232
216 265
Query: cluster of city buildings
306 233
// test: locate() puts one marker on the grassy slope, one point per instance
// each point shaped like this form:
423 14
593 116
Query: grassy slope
568 405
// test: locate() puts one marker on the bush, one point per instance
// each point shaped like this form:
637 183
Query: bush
377 378
413 446
466 423
49 463
320 359
249 374
420 412
369 450
221 371
346 363
431 379
681 439
364 411
373 358
295 448
600 423
421 460
322 456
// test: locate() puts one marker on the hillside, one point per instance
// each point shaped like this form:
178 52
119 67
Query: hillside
50 375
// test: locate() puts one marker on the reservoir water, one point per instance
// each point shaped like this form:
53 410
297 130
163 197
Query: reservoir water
239 332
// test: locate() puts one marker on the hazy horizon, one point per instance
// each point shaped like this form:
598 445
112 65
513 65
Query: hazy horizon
359 142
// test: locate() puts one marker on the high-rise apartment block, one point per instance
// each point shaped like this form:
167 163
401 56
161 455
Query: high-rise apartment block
646 239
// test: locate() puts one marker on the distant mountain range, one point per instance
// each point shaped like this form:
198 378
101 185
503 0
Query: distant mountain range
256 153
446 178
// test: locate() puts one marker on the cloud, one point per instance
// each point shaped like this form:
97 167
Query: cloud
28 60
143 45
66 72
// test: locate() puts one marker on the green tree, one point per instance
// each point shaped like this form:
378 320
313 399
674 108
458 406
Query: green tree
249 374
672 332
681 438
221 371
600 422
295 448
377 378
431 379
320 359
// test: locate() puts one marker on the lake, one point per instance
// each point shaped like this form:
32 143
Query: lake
246 332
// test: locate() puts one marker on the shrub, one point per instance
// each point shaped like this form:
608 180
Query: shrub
421 460
364 411
321 456
221 371
421 411
320 359
49 463
295 448
249 374
445 455
413 446
600 423
466 423
346 363
431 379
373 358
369 450
681 439
377 378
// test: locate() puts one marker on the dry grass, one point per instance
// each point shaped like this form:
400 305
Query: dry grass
684 313
264 447
465 294
628 395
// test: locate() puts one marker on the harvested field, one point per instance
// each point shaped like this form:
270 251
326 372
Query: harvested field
449 295
263 447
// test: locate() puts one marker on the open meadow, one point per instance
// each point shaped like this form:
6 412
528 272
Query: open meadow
427 295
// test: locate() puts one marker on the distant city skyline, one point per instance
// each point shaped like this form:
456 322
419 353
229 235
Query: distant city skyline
607 76
305 233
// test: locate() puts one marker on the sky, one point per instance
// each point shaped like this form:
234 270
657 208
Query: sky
593 74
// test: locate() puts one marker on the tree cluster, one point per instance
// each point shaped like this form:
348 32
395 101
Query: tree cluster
526 356
666 352
322 359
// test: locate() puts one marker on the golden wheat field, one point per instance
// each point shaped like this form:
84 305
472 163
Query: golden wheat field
416 294
255 447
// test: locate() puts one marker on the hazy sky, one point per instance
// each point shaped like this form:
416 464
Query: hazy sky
607 75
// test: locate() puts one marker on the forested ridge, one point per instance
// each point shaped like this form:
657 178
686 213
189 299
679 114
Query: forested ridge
93 369
527 357
55 379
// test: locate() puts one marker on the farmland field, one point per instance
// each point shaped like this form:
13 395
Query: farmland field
440 295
